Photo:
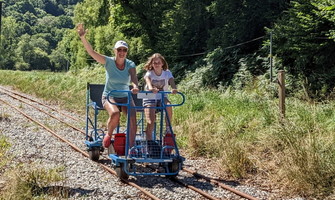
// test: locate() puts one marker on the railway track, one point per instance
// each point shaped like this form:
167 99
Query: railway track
202 187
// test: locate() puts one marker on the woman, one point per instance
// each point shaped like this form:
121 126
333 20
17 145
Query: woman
119 72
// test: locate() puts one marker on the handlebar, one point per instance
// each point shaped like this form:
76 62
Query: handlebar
130 95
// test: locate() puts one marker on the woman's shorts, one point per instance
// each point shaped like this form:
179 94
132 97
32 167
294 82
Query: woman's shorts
154 102
123 100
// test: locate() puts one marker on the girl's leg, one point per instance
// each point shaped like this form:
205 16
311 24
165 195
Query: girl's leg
150 118
169 112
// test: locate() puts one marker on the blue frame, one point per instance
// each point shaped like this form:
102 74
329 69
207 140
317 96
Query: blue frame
94 134
127 160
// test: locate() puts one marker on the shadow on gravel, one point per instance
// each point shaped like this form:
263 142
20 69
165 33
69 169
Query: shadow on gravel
105 161
170 184
229 183
66 192
4 118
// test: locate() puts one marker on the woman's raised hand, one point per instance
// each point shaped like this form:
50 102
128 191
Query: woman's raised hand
80 29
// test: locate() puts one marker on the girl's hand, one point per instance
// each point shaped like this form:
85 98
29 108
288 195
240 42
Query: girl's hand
174 91
154 90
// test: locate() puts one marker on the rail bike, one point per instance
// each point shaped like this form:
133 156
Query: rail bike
158 156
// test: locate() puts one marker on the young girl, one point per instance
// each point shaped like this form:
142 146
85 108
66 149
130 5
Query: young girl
158 78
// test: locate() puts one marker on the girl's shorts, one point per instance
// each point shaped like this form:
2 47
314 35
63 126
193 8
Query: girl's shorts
154 102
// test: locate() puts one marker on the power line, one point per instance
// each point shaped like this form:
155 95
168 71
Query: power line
245 42
197 54
189 55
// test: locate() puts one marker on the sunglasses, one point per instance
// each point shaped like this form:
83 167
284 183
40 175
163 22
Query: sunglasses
124 50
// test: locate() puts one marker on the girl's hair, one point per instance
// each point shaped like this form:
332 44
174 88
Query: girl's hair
148 65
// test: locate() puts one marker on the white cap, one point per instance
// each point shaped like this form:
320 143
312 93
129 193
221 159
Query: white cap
121 43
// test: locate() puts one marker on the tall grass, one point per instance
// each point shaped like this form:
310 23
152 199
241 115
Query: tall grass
224 126
244 132
240 128
305 149
4 145
66 89
31 182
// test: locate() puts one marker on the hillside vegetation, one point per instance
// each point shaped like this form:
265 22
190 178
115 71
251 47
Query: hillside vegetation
239 128
217 37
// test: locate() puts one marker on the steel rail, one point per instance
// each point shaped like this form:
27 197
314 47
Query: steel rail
70 125
33 100
242 194
79 150
205 194
75 128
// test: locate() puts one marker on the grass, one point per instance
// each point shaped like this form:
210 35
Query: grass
241 129
66 89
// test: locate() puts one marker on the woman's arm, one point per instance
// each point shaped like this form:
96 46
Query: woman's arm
134 80
96 56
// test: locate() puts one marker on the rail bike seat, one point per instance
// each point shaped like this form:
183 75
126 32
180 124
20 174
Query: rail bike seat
95 94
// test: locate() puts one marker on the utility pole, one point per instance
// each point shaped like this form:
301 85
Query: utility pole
271 57
281 82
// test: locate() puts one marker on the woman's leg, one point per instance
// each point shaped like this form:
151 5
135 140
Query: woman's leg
132 125
112 122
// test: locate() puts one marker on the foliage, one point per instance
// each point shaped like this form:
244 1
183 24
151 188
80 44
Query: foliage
234 22
9 40
32 30
181 30
302 41
218 35
32 53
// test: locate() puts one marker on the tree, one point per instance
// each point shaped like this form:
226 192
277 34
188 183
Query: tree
31 33
185 30
232 23
9 39
303 42
31 56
